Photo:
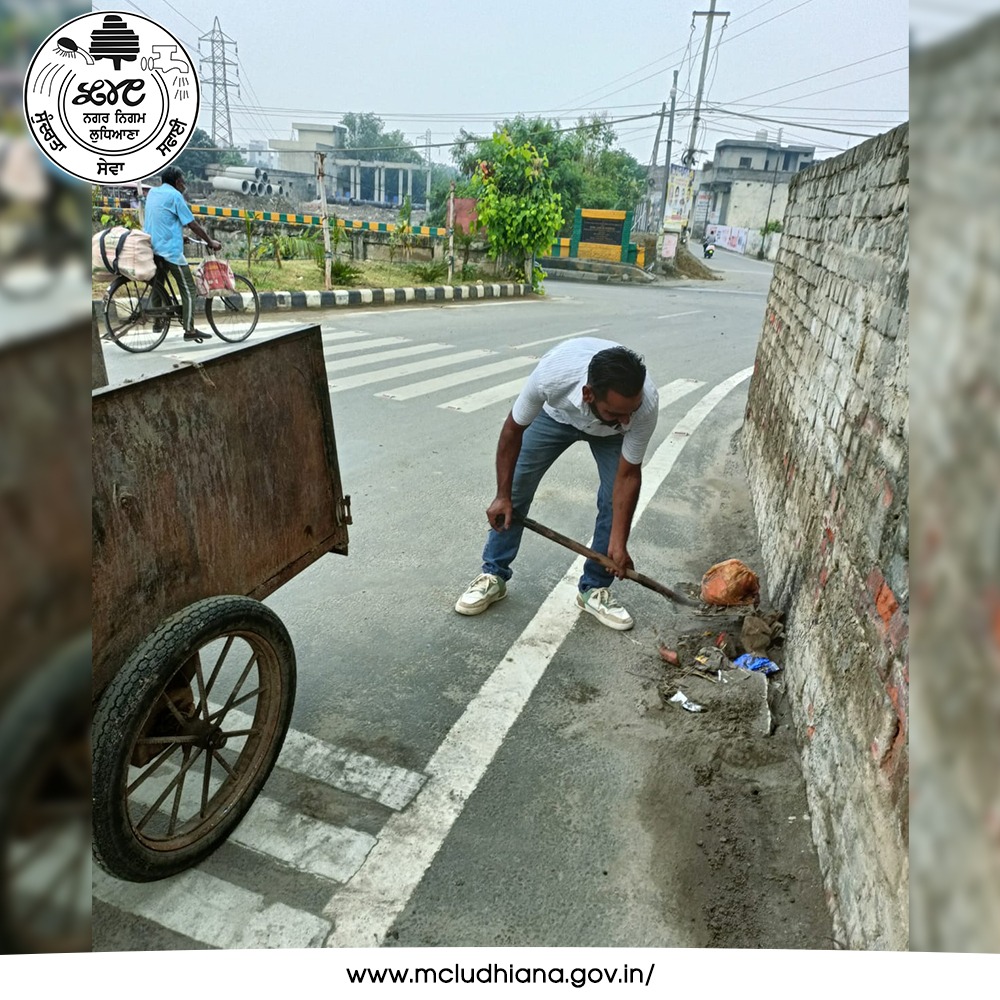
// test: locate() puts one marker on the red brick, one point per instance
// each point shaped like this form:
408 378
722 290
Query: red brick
810 731
887 495
886 603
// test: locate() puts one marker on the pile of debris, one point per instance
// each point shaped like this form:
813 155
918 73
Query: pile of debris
749 643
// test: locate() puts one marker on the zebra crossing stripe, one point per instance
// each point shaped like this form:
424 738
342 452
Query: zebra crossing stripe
346 770
341 364
402 371
457 378
485 397
213 911
377 342
297 841
508 390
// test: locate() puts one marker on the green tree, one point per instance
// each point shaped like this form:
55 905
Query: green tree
200 151
517 205
586 169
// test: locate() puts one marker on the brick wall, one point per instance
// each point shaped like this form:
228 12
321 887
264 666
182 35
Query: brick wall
825 442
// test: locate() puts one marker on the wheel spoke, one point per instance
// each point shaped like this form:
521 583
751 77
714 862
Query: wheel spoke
202 706
175 711
205 786
177 796
241 732
222 761
236 704
166 791
236 690
217 668
153 768
179 740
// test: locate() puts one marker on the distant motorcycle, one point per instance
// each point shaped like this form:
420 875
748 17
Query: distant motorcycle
709 249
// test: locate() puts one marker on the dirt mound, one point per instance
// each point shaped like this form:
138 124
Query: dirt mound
688 266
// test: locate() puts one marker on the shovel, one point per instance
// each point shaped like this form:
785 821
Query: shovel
631 574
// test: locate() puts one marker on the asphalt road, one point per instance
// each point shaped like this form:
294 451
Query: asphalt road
521 776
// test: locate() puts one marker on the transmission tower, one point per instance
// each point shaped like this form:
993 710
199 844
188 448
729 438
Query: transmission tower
224 74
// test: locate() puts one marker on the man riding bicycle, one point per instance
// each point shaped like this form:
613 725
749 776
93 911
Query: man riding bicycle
167 214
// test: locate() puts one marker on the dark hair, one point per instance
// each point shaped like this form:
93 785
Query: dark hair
171 176
618 369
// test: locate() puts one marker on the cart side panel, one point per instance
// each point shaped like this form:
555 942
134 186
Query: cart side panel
216 479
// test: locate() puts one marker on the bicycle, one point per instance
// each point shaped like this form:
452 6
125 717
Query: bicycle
138 314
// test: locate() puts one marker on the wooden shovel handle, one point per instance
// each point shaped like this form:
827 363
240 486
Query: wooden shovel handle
582 550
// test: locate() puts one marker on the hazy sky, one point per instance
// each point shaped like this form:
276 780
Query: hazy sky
441 65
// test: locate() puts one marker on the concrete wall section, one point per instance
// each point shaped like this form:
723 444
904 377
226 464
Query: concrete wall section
826 446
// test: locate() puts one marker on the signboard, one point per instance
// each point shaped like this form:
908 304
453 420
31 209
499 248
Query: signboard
601 230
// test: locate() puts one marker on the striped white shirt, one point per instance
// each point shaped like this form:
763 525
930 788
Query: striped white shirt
556 386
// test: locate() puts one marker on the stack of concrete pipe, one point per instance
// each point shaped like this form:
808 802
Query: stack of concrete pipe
246 180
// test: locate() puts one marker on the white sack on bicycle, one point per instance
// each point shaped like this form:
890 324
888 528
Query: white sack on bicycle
214 277
128 252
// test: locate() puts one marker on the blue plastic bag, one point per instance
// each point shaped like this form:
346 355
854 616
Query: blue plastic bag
750 662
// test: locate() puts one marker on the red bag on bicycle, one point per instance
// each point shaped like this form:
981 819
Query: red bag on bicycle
214 277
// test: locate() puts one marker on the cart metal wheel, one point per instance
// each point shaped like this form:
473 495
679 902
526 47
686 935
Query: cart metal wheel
186 734
45 808
233 315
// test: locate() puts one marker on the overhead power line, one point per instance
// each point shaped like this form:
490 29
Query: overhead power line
826 72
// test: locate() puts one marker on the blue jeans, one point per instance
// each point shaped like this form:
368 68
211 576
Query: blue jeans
544 441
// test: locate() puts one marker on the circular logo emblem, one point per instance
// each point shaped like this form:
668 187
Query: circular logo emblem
111 97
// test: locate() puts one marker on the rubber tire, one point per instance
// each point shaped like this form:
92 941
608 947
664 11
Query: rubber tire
209 303
115 285
48 712
123 708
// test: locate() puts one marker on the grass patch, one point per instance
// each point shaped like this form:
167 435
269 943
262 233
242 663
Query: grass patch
295 275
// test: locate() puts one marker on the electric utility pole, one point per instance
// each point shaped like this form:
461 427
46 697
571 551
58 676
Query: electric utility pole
711 14
670 145
644 222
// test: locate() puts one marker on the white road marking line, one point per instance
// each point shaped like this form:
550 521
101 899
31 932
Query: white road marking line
677 389
351 772
301 842
402 371
551 340
329 352
329 336
337 365
447 381
481 303
721 291
365 909
212 911
484 398
693 312
214 346
270 828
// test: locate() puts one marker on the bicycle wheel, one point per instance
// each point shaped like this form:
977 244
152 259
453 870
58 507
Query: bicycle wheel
234 315
131 321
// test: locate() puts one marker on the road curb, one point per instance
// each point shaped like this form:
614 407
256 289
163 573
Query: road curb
349 297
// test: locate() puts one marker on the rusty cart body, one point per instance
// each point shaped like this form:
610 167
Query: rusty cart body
213 485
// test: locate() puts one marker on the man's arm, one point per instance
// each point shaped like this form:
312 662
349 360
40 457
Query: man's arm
500 513
623 503
199 231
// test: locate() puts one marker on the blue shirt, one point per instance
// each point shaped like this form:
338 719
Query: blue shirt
167 214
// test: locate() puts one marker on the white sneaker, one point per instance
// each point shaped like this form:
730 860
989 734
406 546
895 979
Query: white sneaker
485 590
599 603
